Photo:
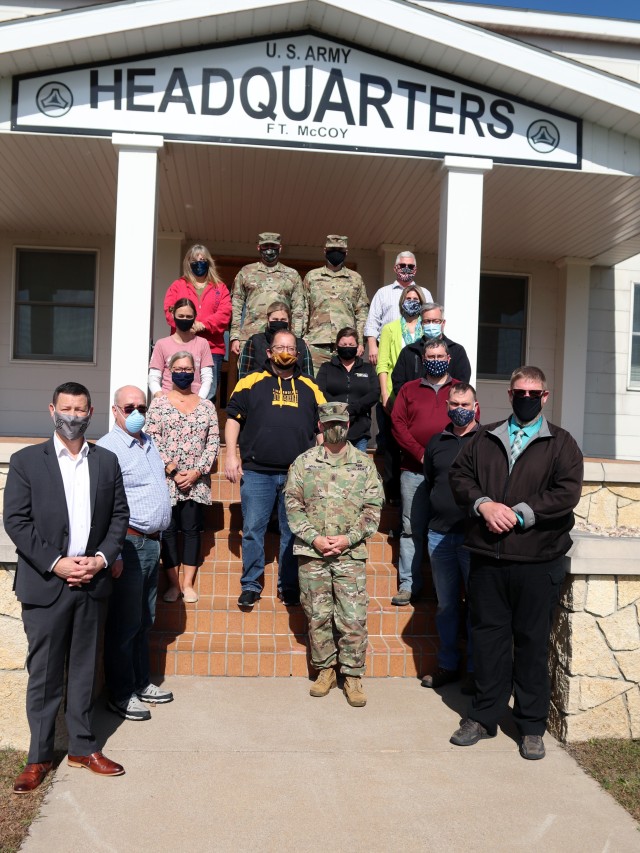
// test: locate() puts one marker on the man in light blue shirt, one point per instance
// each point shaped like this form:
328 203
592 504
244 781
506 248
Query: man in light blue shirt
133 602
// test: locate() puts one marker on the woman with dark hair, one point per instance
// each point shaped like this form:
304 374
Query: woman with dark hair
254 354
201 284
185 431
184 339
348 379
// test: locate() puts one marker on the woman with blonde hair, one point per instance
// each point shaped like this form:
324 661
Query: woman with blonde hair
201 284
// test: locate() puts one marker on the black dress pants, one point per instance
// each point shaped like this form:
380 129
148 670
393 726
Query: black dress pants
511 608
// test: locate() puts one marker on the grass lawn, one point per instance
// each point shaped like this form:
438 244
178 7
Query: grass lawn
615 764
17 812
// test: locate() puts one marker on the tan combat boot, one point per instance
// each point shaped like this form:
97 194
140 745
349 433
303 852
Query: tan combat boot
354 691
324 682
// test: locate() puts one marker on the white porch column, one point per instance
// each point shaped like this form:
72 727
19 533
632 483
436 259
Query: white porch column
459 249
570 384
135 247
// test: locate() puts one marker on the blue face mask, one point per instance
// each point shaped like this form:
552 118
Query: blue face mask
134 422
199 268
436 368
411 307
182 380
462 417
431 330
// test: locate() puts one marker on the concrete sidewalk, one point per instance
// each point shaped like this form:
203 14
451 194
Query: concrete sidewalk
256 764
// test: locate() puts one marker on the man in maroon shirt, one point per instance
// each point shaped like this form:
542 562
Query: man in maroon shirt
419 412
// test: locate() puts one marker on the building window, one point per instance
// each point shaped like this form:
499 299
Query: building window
635 339
55 301
502 325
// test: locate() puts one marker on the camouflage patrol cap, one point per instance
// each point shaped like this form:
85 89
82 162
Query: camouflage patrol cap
332 412
335 241
268 237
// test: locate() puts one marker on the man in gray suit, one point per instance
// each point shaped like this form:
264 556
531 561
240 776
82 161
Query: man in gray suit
66 511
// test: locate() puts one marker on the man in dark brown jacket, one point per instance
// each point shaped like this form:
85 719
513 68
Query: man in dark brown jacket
520 480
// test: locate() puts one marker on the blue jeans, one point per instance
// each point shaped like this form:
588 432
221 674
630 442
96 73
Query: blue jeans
132 609
258 493
415 509
361 444
217 369
449 564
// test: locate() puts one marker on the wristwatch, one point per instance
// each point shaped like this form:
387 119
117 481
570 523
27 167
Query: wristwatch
172 473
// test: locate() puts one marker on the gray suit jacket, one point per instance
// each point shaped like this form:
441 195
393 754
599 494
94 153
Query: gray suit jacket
37 521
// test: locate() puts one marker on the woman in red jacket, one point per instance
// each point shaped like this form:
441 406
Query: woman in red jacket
201 284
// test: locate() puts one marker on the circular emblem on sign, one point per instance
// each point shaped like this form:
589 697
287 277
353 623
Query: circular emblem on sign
543 136
54 99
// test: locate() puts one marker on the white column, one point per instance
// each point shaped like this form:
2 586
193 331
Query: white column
459 249
570 384
135 247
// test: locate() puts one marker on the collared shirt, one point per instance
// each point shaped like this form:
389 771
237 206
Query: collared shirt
75 478
528 431
385 307
144 479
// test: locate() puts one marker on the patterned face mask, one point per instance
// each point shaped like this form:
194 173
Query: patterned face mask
462 417
436 368
283 359
405 272
336 433
411 307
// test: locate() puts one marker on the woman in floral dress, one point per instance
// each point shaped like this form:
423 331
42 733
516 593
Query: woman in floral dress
185 430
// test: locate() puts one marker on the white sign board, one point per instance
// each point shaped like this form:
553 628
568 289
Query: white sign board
297 91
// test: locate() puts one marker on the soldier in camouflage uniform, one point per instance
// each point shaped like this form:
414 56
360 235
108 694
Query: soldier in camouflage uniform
258 285
335 297
333 498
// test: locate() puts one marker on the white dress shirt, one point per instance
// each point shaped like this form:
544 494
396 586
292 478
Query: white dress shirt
385 307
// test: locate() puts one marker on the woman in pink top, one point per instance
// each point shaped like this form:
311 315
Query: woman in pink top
184 339
201 284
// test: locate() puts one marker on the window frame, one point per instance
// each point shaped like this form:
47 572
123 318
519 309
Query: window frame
525 327
13 359
631 385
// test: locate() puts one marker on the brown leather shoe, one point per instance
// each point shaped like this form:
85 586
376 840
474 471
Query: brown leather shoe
97 763
31 777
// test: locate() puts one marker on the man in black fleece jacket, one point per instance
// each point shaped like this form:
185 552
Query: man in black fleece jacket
410 361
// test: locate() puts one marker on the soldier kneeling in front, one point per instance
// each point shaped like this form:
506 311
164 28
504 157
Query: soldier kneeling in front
333 498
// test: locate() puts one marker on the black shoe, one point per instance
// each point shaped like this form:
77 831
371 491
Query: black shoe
470 732
532 747
290 599
248 598
440 677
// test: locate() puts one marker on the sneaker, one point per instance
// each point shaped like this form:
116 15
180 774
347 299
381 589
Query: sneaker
440 677
129 709
248 598
354 691
402 597
532 747
325 681
468 686
470 732
154 695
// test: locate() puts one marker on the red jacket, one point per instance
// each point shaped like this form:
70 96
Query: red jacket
213 310
419 414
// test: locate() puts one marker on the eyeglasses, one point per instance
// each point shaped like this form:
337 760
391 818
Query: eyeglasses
407 267
182 369
519 393
429 320
279 348
129 408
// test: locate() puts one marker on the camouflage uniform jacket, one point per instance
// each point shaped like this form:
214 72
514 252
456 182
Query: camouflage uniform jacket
329 495
256 286
333 300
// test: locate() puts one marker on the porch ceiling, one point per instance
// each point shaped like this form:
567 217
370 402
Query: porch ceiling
64 186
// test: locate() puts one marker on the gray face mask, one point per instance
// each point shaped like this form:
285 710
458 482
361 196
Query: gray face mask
336 433
71 427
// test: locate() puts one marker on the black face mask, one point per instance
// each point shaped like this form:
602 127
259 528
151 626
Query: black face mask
269 255
183 324
526 409
277 325
347 352
335 256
